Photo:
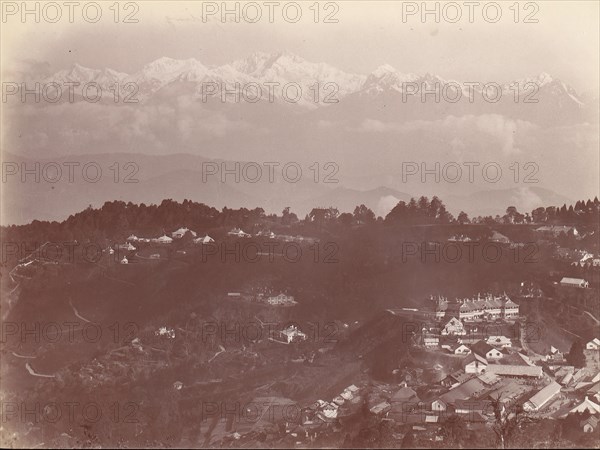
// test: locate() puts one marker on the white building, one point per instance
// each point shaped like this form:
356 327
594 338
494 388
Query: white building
474 364
439 405
586 405
462 349
454 327
124 260
237 232
574 282
487 307
178 234
293 334
164 239
499 341
486 351
203 240
281 299
431 341
594 344
127 247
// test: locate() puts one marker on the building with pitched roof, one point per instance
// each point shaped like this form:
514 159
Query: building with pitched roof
486 351
474 363
594 344
463 391
574 282
516 371
542 397
590 424
453 327
488 307
586 405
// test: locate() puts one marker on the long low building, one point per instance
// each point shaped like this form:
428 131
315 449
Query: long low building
540 399
507 370
574 282
488 307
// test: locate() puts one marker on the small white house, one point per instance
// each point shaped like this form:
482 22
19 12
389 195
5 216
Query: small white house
178 234
431 341
439 405
128 247
330 410
454 327
347 395
124 260
474 363
238 233
594 344
204 240
462 349
339 400
164 239
293 334
486 351
499 341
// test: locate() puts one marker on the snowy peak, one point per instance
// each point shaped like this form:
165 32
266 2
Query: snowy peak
80 74
76 73
544 78
254 64
167 69
545 85
285 67
386 77
383 70
260 64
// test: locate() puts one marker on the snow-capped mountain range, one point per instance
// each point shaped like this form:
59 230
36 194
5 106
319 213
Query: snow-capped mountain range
264 75
369 133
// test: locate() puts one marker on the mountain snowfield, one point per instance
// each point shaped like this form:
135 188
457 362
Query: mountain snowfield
370 133
264 76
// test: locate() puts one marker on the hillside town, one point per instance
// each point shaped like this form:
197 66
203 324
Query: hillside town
296 353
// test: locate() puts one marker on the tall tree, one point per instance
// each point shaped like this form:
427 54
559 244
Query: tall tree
576 356
463 218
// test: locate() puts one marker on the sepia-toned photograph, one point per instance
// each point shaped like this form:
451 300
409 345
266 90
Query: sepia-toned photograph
300 224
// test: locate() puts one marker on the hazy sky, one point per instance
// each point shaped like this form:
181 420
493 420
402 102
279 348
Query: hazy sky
563 43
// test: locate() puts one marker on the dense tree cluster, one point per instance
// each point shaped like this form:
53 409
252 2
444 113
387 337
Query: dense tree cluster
421 212
117 219
583 212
